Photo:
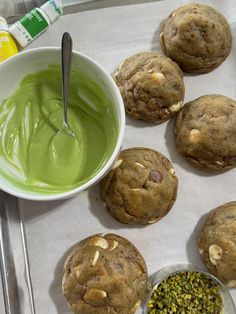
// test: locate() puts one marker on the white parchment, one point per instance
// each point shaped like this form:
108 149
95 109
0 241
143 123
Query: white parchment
109 36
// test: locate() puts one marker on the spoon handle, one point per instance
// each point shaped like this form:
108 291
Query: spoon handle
66 54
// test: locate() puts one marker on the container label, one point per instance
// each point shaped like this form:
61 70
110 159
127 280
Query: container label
34 23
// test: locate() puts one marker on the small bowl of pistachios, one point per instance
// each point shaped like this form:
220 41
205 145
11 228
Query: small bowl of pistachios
185 288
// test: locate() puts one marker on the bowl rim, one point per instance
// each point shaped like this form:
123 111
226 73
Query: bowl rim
174 268
63 195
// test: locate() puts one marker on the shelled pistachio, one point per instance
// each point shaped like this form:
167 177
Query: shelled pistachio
187 292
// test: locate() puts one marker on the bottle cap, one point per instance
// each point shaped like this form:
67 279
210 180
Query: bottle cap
3 24
53 9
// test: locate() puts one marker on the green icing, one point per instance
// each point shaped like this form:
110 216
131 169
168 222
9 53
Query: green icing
36 153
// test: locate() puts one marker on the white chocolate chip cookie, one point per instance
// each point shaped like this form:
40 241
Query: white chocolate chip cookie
217 243
151 86
205 132
197 37
140 190
104 274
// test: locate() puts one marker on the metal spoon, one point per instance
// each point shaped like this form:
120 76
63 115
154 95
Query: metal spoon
65 136
66 55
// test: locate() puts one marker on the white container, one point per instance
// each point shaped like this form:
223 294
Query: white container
36 22
12 72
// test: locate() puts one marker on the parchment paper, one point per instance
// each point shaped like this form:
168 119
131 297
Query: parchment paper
109 36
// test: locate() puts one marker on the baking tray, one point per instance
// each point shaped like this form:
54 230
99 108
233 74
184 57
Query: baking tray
40 234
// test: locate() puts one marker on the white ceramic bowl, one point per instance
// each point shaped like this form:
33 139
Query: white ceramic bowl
13 70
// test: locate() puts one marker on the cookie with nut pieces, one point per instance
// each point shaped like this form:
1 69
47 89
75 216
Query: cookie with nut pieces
151 86
104 274
205 132
217 243
197 37
141 188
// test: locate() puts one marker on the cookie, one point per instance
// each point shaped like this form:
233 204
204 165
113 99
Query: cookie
104 274
141 187
205 132
197 37
217 243
151 86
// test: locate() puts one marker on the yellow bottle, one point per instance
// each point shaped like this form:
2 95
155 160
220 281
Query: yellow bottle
8 46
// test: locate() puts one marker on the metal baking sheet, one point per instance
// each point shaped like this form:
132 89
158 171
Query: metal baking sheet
49 229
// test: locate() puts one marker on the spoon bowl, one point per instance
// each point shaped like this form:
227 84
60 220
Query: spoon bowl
57 146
